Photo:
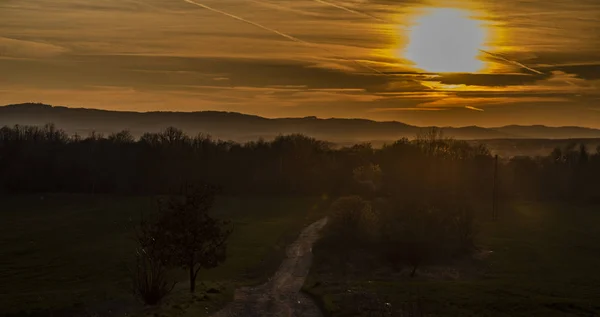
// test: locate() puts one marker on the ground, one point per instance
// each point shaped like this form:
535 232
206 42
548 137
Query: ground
62 252
544 261
281 295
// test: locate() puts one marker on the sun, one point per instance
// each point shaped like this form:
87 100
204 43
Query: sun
446 40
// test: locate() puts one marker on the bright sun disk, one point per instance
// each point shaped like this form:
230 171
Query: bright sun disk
446 40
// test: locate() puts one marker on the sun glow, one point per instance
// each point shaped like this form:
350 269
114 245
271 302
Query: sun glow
446 40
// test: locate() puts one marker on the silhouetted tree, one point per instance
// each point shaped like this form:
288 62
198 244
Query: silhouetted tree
368 175
193 239
351 219
430 167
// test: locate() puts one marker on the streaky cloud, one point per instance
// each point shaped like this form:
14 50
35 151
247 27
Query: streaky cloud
287 36
521 65
356 12
474 108
407 109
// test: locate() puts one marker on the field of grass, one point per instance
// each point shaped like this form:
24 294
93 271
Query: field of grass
58 251
545 261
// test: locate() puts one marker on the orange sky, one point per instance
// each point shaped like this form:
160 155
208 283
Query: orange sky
352 58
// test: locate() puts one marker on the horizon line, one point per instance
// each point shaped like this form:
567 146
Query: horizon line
300 117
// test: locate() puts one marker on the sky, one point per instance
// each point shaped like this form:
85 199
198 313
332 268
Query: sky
436 62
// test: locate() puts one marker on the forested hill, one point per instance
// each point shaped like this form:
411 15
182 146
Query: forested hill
242 127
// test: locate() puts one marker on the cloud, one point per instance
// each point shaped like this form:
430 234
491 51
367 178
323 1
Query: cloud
168 72
512 61
350 10
462 102
406 109
16 48
473 108
586 71
283 7
493 80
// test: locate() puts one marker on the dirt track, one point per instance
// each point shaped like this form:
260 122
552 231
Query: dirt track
281 295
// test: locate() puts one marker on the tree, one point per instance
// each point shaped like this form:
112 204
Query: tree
192 238
415 235
351 220
369 176
122 137
350 230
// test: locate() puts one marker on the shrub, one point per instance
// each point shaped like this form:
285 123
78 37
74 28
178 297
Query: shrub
351 219
149 277
419 235
465 229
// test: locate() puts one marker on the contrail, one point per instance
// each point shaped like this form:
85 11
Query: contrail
500 57
364 14
284 8
287 36
561 13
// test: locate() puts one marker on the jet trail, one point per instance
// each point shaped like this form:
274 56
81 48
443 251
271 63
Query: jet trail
284 8
500 57
287 36
364 14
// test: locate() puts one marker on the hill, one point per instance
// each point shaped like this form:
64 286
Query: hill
242 127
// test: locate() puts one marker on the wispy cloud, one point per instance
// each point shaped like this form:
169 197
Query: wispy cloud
353 11
407 109
285 35
15 48
521 65
490 101
473 108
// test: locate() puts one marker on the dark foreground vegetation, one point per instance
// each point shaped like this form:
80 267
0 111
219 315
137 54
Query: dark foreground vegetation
34 159
71 254
410 230
537 259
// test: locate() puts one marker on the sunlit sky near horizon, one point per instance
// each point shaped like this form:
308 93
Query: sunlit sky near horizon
447 63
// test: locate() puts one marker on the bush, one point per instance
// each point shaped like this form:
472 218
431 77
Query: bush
149 277
465 229
410 237
352 220
419 235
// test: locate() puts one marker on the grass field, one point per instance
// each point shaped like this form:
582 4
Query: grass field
545 261
63 250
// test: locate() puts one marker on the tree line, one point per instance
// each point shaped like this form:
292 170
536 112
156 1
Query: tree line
429 167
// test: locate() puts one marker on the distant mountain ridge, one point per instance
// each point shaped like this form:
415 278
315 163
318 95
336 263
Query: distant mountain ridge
243 127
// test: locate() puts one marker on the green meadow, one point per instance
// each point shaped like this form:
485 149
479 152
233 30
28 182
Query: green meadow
544 261
72 251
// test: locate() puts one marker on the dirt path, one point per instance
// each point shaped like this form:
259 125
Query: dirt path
281 296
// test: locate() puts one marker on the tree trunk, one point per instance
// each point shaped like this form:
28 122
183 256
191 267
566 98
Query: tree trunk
414 270
192 279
